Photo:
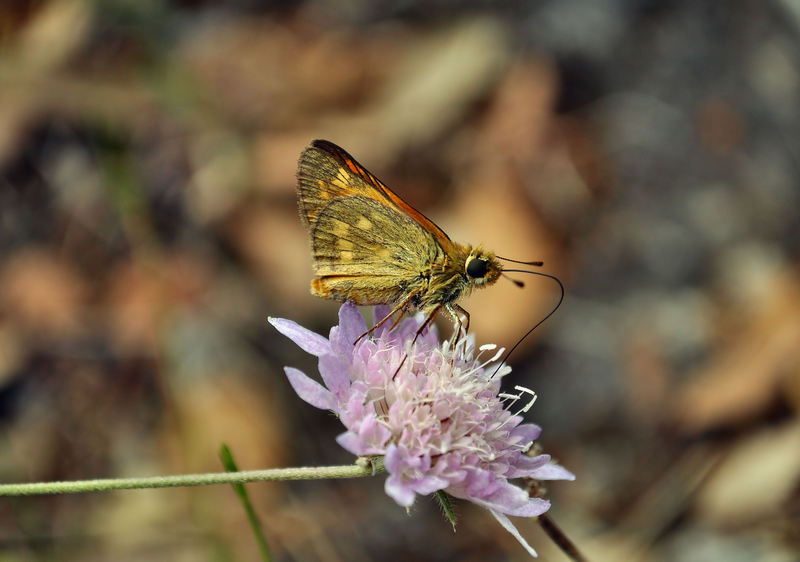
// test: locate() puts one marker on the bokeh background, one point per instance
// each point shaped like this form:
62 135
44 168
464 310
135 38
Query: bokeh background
646 150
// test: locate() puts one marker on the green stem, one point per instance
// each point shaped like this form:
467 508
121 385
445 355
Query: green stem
372 466
229 463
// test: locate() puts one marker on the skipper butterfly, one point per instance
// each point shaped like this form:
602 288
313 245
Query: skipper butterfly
371 247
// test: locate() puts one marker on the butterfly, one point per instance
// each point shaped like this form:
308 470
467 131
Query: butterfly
371 247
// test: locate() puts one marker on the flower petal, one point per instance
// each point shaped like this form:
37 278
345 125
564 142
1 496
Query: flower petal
512 500
351 327
392 459
552 471
379 313
527 466
525 433
373 435
333 370
308 341
396 489
350 442
429 485
509 526
310 390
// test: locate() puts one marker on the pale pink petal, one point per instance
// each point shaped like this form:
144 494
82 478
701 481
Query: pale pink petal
310 390
333 370
430 484
525 433
509 526
351 327
392 459
373 435
308 341
351 442
398 491
552 471
512 500
527 466
379 313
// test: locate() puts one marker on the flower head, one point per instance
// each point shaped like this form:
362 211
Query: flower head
434 412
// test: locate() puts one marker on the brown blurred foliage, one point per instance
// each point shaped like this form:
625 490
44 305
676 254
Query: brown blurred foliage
647 152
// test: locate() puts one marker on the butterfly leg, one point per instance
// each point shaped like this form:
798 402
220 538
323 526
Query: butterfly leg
455 312
460 310
425 324
399 308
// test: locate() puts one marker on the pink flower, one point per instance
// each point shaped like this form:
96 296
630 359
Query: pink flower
440 422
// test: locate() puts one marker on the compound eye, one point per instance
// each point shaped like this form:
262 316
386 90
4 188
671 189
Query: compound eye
476 268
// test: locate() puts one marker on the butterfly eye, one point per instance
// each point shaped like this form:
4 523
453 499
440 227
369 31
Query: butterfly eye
476 268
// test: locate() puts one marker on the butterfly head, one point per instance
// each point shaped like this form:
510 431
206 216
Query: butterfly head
481 267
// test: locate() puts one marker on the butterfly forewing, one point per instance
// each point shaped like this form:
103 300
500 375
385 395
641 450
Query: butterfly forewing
321 178
327 171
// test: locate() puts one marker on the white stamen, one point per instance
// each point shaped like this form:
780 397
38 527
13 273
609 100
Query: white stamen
524 390
446 346
497 355
514 397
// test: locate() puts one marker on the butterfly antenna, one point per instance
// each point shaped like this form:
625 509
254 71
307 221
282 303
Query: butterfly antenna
537 263
540 322
516 282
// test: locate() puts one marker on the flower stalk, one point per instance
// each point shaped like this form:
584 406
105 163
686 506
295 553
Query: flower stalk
358 470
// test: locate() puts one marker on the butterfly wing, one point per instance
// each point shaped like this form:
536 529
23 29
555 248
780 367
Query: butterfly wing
368 245
326 172
369 253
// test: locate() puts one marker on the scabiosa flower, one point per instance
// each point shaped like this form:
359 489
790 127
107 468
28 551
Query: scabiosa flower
433 412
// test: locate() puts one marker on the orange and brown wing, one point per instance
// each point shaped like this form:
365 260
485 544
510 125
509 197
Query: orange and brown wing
368 252
326 172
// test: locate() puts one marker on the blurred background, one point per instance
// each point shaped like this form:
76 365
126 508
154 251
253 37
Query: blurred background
646 150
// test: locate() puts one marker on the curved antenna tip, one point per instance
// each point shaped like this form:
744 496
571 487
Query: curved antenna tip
540 322
516 282
537 263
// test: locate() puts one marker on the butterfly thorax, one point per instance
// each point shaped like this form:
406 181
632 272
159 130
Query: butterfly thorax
456 273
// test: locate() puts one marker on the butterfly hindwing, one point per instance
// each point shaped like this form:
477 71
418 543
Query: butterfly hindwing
368 252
